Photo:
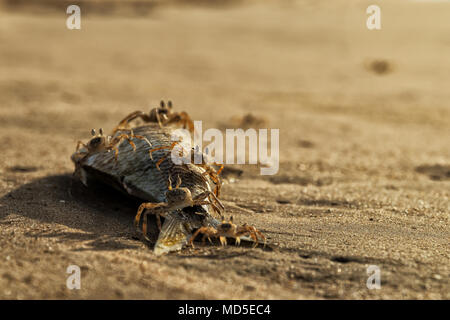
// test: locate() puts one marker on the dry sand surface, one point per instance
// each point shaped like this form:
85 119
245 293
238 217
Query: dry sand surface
364 120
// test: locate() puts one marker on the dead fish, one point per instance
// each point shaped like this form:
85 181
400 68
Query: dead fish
143 168
135 173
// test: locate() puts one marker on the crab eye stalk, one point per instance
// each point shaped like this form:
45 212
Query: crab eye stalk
169 104
100 131
178 182
162 104
93 132
169 184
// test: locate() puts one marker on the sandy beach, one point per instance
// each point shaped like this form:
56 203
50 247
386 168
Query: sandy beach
364 171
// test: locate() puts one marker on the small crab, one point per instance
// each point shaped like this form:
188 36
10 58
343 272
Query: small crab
205 164
228 229
163 115
177 198
100 142
209 169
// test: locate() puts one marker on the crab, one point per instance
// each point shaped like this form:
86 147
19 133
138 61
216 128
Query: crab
101 142
177 198
209 169
206 165
163 115
228 229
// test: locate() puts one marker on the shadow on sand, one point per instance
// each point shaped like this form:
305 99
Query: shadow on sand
100 216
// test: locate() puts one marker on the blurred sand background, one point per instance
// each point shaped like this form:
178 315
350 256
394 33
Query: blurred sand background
364 120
